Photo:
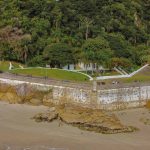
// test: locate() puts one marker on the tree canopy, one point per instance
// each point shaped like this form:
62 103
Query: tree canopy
75 30
97 51
58 55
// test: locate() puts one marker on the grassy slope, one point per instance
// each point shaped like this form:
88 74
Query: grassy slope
52 73
140 78
112 73
143 76
4 65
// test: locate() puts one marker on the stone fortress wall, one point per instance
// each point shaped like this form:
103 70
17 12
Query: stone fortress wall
108 99
112 99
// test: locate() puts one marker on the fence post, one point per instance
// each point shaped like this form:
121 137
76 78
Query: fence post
94 85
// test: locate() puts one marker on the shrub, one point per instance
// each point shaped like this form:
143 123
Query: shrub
37 61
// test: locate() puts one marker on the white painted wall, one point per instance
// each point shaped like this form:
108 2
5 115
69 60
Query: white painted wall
124 95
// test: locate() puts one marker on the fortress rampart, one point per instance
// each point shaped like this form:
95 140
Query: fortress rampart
108 99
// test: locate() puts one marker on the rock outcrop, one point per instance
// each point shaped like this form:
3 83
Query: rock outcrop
86 119
148 104
9 93
48 99
49 116
23 93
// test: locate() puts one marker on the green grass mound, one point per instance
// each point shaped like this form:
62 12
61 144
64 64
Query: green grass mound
4 65
138 78
52 73
106 73
142 76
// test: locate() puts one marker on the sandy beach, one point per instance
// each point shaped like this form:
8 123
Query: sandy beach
19 132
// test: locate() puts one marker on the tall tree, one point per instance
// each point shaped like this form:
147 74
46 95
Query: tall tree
97 51
58 55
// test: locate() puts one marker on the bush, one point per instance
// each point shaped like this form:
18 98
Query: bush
37 61
121 62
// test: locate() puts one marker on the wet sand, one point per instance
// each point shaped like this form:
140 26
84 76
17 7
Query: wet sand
19 132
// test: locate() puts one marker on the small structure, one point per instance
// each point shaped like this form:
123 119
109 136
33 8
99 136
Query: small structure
69 67
94 86
89 67
10 66
48 66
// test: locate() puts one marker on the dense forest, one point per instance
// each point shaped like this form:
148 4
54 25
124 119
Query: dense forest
59 32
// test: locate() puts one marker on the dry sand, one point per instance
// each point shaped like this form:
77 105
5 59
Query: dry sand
19 132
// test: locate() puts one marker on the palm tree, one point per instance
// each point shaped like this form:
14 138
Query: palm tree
87 22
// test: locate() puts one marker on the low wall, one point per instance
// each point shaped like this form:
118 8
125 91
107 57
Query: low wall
111 99
105 99
123 97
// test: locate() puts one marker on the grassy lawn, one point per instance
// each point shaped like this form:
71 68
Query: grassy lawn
4 65
112 73
106 73
136 78
139 78
143 76
52 73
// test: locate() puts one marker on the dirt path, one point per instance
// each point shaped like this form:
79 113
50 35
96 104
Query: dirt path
19 132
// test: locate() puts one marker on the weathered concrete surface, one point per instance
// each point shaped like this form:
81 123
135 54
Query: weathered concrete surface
113 99
110 99
123 98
